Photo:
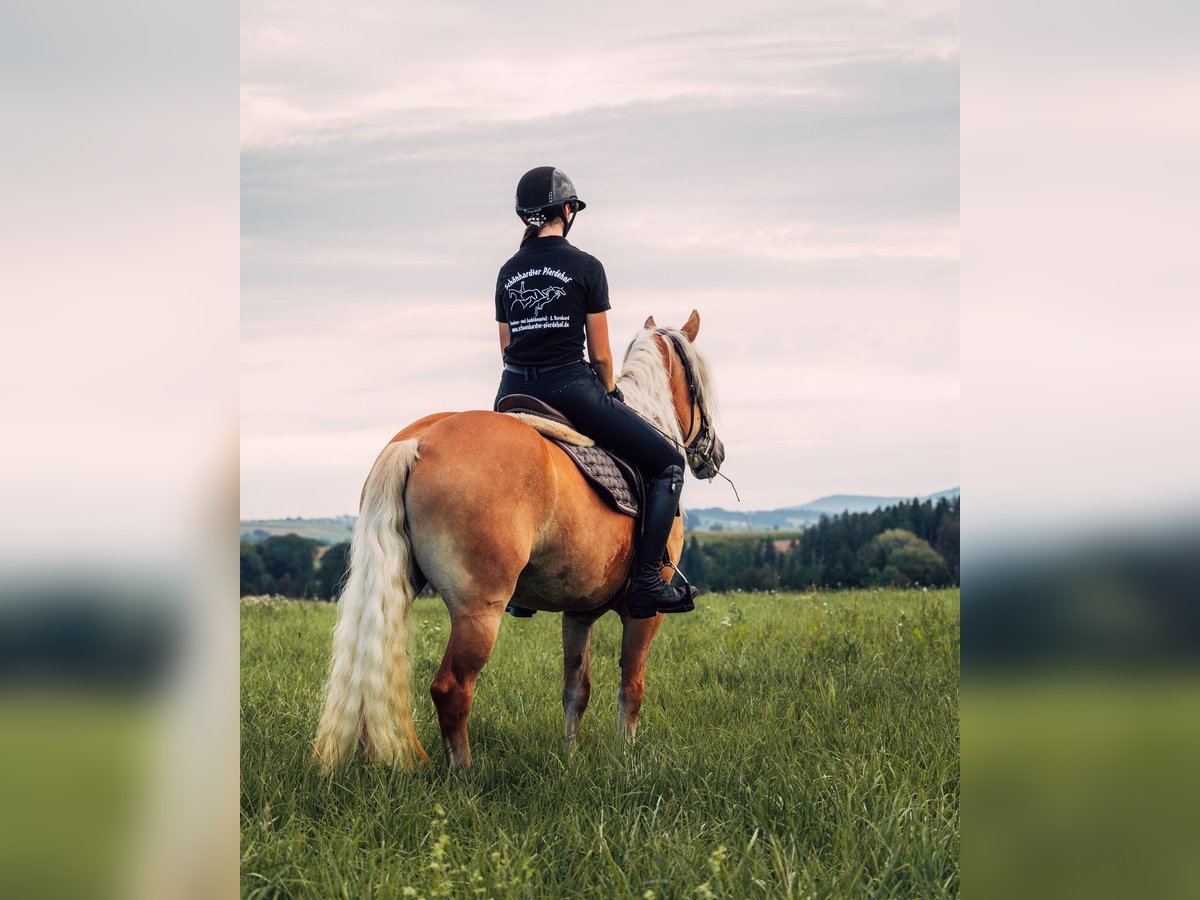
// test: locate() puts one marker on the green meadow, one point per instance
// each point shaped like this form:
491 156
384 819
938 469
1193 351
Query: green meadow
791 745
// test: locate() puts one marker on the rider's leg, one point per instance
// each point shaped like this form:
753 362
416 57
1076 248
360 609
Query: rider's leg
649 594
618 427
581 396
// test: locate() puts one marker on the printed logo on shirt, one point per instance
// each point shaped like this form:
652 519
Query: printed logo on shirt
532 301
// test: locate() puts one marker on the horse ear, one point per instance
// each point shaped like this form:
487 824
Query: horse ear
650 323
691 327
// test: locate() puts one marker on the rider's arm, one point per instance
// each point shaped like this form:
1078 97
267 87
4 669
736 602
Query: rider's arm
599 350
505 337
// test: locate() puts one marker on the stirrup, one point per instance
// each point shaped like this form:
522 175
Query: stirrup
684 595
666 561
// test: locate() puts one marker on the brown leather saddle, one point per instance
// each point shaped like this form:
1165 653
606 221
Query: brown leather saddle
613 479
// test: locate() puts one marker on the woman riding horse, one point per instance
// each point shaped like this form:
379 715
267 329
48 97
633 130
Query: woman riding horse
481 506
549 296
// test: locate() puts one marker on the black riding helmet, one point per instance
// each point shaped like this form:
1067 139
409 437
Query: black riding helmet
545 192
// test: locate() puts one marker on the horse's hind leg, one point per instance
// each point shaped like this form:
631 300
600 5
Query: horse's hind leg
636 637
577 676
472 637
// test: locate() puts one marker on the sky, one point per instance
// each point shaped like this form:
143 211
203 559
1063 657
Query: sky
789 170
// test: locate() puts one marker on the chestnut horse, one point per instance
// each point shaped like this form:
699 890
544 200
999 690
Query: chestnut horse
484 508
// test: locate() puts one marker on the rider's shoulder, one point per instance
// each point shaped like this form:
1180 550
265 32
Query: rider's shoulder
587 258
513 260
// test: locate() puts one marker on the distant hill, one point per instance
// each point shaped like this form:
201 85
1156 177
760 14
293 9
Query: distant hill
327 531
790 518
794 517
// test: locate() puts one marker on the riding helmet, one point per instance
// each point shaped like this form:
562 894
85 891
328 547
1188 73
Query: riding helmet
543 189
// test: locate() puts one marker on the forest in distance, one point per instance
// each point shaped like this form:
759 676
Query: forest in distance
909 544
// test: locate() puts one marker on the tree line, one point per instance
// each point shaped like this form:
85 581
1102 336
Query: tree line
293 566
914 543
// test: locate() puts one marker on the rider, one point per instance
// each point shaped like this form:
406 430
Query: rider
549 296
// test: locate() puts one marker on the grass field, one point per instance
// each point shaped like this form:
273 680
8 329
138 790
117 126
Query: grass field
791 745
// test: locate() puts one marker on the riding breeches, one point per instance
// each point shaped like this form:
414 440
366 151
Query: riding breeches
577 391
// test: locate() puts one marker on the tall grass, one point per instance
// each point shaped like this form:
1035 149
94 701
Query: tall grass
791 745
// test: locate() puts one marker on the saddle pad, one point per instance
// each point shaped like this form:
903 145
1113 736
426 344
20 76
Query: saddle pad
612 477
605 474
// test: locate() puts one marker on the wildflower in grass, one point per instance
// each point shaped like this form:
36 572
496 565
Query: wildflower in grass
439 867
475 882
716 860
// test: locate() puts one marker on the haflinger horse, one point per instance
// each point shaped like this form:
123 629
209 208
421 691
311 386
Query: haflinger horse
481 506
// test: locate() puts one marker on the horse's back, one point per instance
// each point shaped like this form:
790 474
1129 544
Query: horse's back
493 506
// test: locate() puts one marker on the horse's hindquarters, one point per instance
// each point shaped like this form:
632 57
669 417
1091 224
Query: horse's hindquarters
495 510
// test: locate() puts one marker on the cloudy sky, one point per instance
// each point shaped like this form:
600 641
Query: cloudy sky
791 170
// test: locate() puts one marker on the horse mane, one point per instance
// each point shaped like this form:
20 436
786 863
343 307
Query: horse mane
646 383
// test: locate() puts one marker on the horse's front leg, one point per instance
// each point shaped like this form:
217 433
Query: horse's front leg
636 637
577 676
472 637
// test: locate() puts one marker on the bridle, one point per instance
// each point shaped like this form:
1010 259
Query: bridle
704 447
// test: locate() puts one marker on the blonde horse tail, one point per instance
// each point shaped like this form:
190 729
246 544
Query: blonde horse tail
368 700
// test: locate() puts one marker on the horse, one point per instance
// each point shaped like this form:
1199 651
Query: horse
485 509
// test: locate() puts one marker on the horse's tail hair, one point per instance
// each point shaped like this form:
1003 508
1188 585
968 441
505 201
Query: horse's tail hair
369 698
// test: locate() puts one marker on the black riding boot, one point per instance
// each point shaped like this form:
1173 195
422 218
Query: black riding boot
649 594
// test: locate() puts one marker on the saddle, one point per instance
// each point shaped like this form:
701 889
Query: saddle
615 480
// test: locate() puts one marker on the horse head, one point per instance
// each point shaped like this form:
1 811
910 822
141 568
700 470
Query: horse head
690 397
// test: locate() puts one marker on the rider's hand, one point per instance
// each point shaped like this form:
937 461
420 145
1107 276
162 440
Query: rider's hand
616 394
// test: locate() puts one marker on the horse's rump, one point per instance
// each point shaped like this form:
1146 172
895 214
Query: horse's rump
494 509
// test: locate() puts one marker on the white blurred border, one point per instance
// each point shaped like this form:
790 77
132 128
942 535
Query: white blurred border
1080 280
119 362
1080 273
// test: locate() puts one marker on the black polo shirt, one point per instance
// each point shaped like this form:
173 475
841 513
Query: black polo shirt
544 293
